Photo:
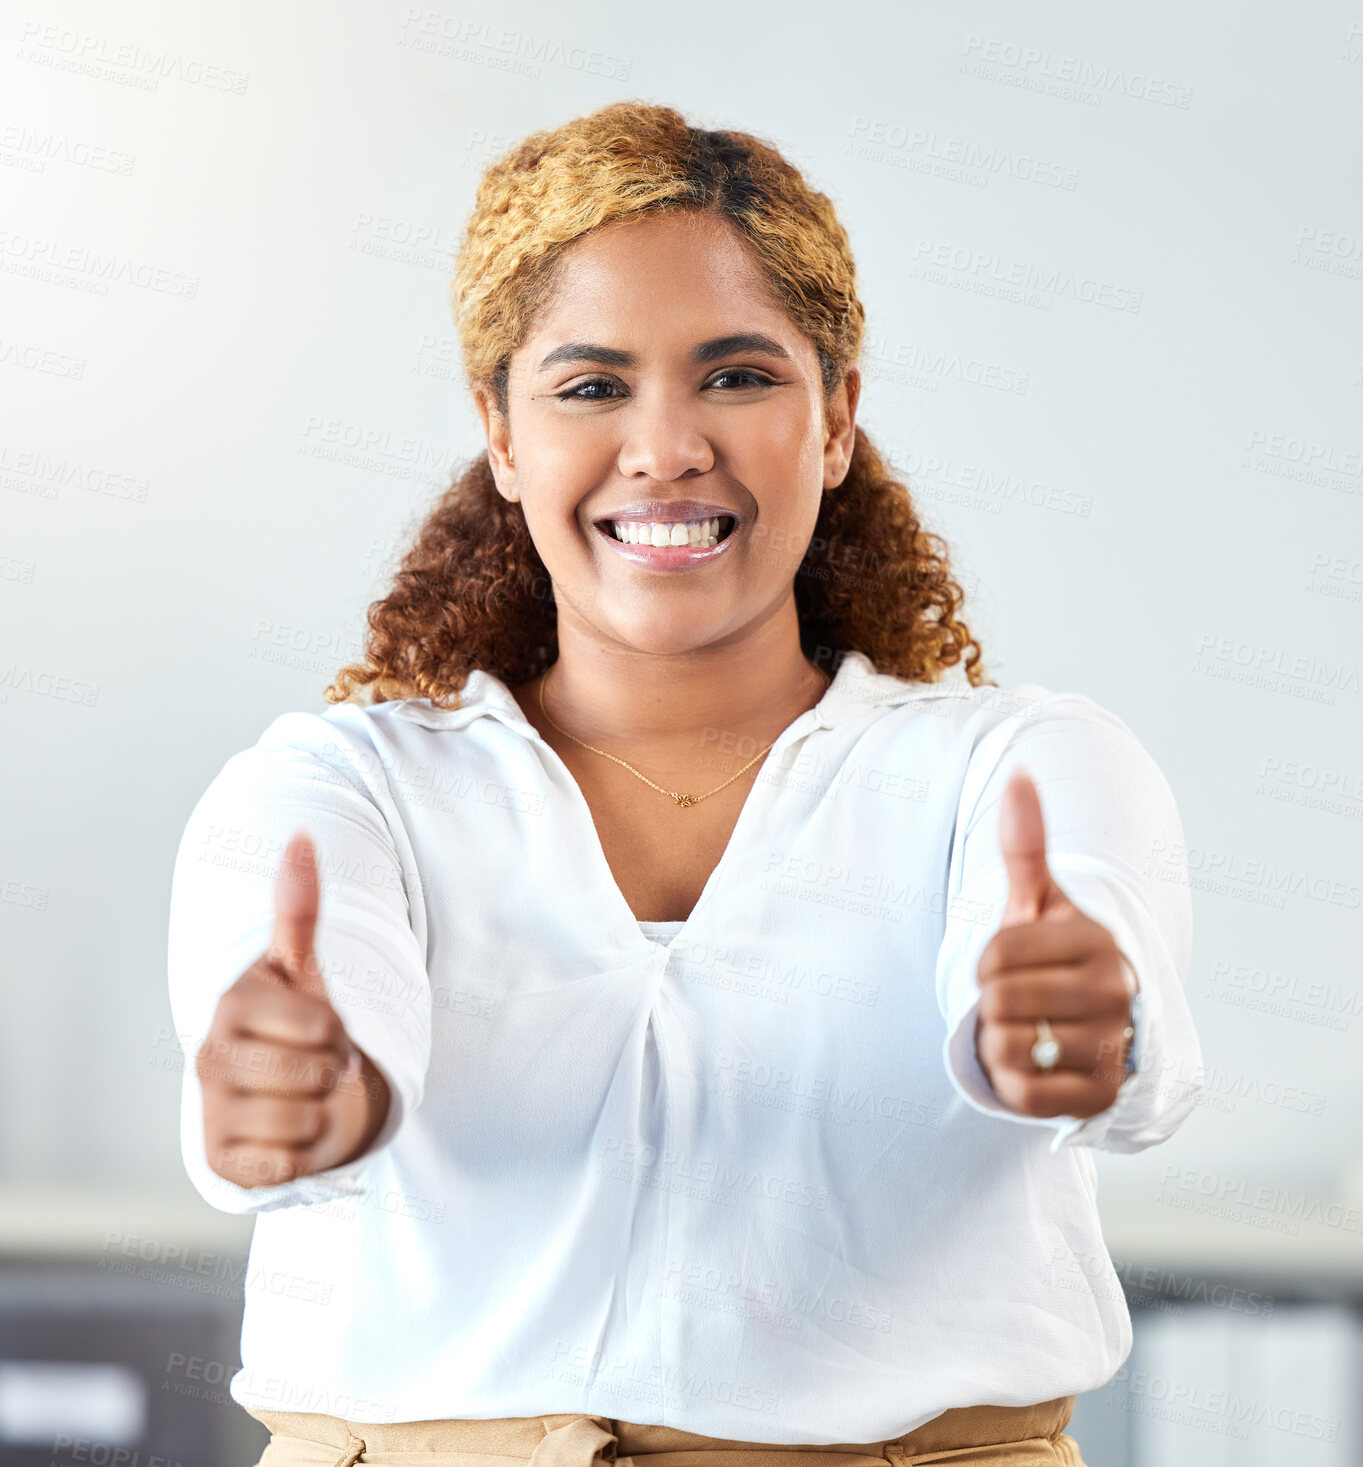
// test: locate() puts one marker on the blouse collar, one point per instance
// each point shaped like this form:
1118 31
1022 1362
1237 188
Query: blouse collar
856 688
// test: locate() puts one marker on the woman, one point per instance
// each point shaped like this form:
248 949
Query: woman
662 1019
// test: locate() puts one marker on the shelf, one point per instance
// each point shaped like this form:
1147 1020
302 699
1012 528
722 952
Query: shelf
74 1221
57 1222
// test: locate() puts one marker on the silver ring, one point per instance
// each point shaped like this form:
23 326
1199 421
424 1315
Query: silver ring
1046 1050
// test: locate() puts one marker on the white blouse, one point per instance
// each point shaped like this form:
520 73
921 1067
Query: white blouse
749 1181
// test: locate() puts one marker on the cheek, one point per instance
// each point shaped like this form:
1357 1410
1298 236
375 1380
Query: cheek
783 435
780 460
550 502
564 476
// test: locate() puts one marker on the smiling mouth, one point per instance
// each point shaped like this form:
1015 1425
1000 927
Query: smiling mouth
670 534
664 549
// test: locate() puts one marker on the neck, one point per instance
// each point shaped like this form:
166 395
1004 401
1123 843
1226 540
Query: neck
722 699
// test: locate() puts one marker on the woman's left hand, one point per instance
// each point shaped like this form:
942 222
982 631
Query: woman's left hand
1049 961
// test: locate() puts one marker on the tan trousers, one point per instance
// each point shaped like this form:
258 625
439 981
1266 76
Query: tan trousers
1011 1436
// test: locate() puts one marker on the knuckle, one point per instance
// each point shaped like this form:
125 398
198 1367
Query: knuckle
1110 992
1004 945
1026 1092
1035 1095
995 957
1091 931
257 977
1018 1049
993 1003
331 1029
229 1005
305 1123
214 1072
1012 1090
265 1165
315 1021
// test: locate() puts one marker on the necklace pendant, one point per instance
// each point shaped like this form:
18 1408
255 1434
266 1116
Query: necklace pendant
684 800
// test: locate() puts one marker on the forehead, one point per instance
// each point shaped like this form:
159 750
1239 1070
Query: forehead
674 274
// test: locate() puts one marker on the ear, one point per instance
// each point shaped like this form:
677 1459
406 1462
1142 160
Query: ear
497 430
842 413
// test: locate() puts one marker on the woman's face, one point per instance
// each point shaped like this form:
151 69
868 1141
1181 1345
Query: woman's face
629 400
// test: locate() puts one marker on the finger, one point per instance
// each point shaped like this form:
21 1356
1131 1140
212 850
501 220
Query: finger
265 1009
1057 1093
246 1066
1074 991
270 1120
1097 1050
295 926
1073 937
257 1164
1022 845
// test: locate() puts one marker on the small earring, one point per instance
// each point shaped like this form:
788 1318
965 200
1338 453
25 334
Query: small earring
511 457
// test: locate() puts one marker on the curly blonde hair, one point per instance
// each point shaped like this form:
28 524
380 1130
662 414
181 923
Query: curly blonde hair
472 591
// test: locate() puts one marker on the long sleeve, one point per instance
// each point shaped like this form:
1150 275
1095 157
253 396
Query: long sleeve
313 774
756 1091
1114 843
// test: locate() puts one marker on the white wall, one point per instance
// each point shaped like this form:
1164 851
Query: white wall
1170 495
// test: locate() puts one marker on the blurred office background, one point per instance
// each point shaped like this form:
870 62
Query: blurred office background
1113 264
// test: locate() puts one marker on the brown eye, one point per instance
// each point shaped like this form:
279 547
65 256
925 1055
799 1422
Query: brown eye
581 391
756 379
572 392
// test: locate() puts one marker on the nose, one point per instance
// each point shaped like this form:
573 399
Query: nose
662 442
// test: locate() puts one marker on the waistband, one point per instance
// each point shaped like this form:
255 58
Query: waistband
965 1436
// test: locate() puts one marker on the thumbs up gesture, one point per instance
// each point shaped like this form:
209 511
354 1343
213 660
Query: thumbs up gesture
1049 961
286 1093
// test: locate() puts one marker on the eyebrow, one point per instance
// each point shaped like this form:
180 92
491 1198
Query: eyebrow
706 351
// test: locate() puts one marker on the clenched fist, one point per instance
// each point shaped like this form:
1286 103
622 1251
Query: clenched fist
285 1092
1049 961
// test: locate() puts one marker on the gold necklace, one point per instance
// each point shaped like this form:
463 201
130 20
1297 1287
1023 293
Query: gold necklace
683 800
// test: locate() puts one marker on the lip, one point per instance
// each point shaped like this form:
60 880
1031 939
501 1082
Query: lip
668 512
669 557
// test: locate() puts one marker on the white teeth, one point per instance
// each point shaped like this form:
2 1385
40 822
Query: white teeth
692 532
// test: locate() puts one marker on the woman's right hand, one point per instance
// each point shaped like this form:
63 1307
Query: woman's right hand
285 1091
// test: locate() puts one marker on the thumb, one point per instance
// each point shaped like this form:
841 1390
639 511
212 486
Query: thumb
1022 844
295 923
